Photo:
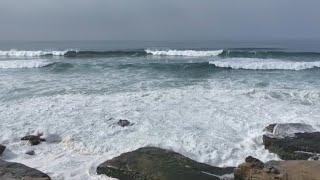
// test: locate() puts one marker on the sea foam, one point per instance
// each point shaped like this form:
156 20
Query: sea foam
23 53
264 64
15 64
190 53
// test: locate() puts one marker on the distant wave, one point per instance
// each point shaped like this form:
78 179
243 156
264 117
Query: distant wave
16 64
74 53
190 53
241 53
263 64
266 53
21 53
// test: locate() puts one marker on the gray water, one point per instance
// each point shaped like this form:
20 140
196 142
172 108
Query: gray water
211 108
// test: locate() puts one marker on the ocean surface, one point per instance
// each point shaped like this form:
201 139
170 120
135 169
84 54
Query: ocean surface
207 100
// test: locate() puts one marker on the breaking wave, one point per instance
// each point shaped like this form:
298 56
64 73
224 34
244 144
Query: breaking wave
190 53
18 53
263 64
16 64
240 53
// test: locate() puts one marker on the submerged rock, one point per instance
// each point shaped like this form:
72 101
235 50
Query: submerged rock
293 141
33 139
150 163
31 153
16 171
2 148
124 123
280 170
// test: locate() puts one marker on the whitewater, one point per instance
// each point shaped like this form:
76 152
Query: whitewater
206 104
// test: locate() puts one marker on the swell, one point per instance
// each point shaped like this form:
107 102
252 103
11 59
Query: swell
246 53
260 53
264 64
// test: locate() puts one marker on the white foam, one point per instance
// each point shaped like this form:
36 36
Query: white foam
190 53
263 64
22 53
218 125
16 64
289 129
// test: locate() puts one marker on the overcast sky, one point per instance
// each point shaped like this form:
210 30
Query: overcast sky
159 19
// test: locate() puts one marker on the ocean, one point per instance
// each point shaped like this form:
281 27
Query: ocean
209 101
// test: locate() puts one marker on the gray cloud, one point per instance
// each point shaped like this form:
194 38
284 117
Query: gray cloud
158 19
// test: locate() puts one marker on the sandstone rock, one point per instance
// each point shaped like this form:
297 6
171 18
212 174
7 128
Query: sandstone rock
16 171
293 141
2 148
279 170
152 163
33 139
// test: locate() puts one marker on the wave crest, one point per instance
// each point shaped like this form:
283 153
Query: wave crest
22 53
190 53
16 64
264 64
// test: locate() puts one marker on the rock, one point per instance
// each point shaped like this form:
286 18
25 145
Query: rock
289 129
270 128
31 153
151 163
33 139
2 148
314 158
16 171
255 162
123 123
280 170
293 141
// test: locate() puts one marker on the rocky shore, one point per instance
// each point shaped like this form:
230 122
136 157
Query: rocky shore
298 145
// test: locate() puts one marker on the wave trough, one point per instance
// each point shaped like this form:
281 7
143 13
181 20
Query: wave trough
263 64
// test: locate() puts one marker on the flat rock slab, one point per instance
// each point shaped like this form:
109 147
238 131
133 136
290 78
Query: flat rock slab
150 163
293 144
280 170
16 171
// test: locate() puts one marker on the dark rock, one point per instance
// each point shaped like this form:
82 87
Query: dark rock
16 171
279 170
33 139
31 153
255 162
302 146
151 163
2 148
124 123
293 141
270 128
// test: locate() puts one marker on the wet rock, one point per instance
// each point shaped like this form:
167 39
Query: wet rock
31 153
16 171
270 128
151 163
256 163
124 123
293 141
2 148
33 139
279 170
